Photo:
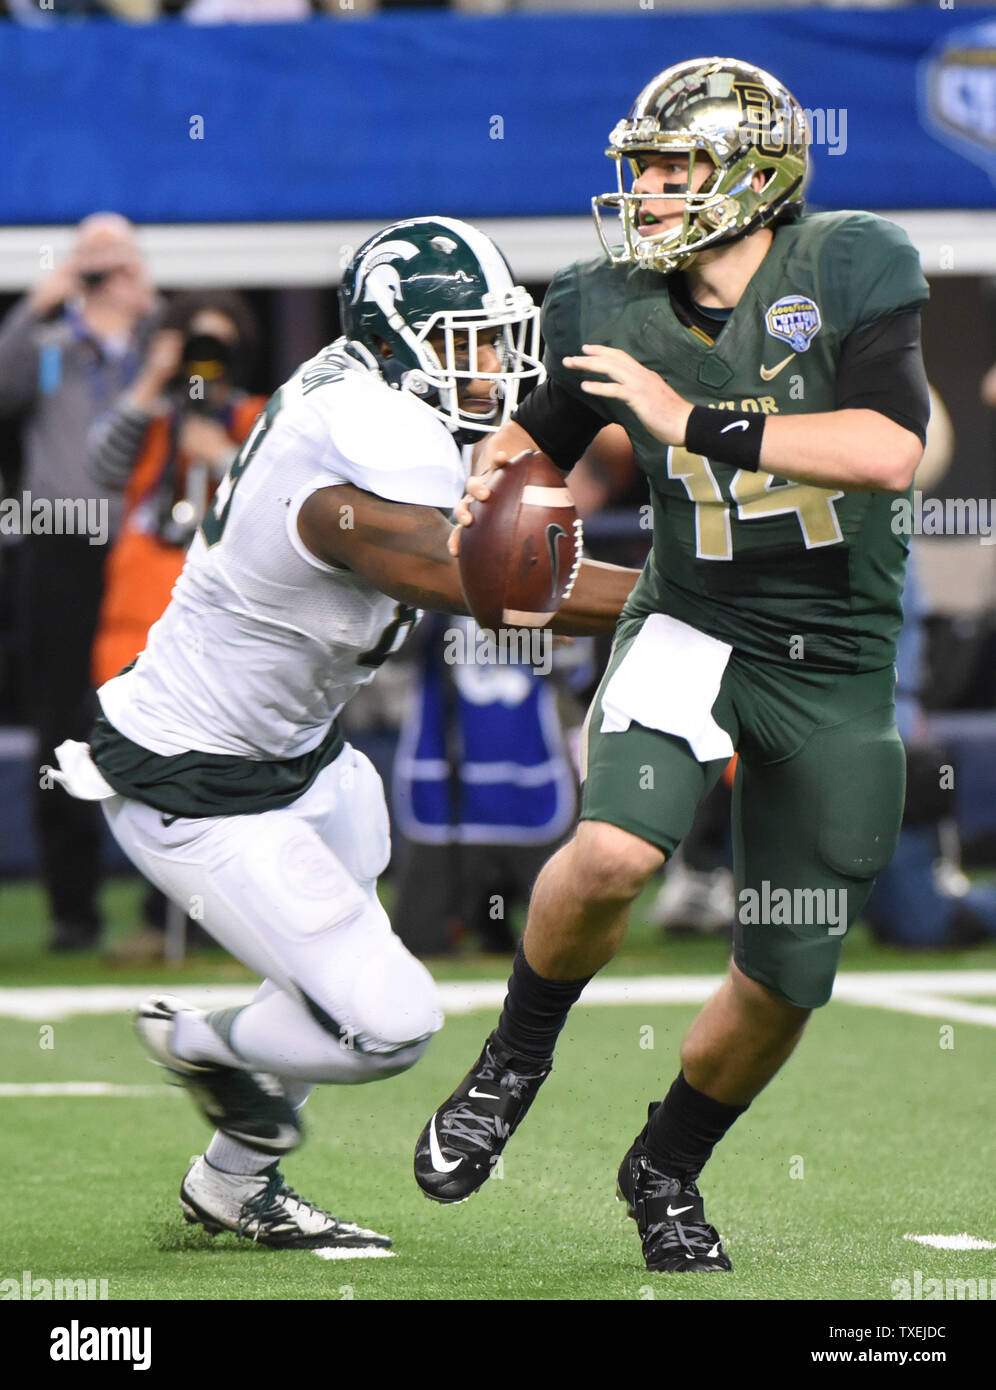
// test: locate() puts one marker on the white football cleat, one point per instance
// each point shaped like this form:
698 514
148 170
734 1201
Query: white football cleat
265 1210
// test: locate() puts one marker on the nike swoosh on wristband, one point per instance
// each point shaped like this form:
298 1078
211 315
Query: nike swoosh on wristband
475 1094
436 1154
769 373
737 425
676 1211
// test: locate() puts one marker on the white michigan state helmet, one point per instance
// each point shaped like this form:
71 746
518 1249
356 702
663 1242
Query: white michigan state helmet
437 278
744 121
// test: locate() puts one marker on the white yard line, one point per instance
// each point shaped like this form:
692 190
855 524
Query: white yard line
933 994
45 1005
857 989
976 982
80 1088
929 994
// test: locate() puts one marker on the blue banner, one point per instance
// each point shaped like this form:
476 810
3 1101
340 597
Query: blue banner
411 113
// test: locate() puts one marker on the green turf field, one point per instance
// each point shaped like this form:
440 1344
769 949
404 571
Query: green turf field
886 1131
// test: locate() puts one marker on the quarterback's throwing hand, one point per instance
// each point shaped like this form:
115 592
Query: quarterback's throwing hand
648 395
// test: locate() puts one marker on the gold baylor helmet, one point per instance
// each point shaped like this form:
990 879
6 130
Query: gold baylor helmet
737 116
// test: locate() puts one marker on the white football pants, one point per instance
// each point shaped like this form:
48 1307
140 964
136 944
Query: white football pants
293 894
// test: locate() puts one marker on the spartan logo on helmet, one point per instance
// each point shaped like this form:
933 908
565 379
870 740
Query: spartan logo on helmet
377 275
744 123
423 297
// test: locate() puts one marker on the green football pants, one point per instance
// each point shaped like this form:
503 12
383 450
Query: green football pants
817 804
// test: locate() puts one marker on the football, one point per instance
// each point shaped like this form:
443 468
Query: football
519 559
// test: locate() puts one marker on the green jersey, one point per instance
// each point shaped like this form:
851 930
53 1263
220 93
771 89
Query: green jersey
780 570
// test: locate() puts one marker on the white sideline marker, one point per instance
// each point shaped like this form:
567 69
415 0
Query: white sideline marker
962 1242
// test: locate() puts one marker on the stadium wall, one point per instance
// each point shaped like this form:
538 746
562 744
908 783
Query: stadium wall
395 114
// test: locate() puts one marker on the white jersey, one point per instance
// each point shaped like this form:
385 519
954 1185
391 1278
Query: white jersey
262 643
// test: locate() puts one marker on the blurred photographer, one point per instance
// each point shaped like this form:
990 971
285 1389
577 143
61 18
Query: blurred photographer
67 350
168 442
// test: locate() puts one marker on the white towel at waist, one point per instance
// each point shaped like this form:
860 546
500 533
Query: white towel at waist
669 680
80 775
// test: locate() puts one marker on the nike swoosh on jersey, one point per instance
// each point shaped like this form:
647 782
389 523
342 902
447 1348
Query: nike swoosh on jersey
769 373
436 1154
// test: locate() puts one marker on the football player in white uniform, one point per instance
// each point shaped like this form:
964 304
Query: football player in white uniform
217 756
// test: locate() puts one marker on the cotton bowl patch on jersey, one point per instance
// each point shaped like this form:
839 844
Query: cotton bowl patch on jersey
795 320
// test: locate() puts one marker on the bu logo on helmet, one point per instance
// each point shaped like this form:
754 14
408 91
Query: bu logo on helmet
794 320
761 123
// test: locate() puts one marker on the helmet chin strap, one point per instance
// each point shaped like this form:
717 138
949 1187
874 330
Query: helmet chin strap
362 354
394 372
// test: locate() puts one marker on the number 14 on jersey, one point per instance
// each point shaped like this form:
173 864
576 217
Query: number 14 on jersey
751 496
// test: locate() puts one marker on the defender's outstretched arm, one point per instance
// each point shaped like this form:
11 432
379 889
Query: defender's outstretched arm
402 550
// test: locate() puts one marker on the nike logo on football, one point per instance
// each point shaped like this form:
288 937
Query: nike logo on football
436 1154
475 1094
676 1211
769 373
737 425
553 534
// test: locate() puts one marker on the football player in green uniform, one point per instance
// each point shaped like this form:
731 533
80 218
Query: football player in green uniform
765 363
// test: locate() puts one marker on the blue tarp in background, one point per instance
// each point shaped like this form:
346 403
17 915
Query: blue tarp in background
394 114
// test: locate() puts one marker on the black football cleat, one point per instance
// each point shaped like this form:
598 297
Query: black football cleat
250 1107
669 1215
458 1149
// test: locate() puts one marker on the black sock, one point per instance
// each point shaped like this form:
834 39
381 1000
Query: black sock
535 1010
685 1128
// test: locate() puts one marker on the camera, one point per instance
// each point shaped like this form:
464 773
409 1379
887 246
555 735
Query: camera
207 359
206 356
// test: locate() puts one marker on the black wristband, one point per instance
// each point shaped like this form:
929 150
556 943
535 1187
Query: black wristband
726 436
